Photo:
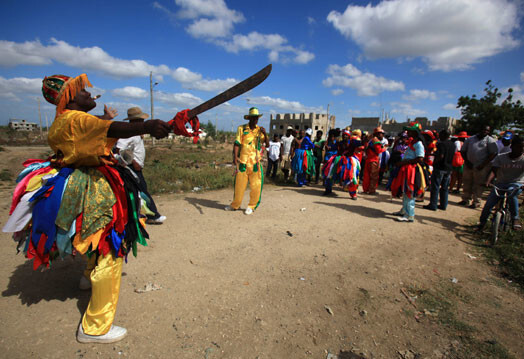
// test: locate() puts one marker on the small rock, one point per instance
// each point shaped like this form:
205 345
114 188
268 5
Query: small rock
363 313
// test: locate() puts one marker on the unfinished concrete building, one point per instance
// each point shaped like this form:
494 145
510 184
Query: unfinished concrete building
279 122
365 124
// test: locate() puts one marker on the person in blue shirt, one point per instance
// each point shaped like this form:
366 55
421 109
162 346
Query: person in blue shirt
303 163
410 180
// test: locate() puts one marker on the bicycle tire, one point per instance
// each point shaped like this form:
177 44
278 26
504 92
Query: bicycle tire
495 226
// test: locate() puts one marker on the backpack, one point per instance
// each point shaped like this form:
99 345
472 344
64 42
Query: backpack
458 161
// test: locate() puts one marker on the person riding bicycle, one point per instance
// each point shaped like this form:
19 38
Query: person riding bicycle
509 170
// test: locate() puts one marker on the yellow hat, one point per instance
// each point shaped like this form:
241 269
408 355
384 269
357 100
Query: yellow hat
253 112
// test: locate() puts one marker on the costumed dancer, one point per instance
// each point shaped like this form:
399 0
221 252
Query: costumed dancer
79 201
331 149
411 178
303 163
343 167
371 170
247 160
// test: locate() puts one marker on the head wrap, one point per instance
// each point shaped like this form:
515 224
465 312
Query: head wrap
413 126
429 133
59 90
309 131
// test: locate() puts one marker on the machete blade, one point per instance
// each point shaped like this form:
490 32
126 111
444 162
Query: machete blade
233 92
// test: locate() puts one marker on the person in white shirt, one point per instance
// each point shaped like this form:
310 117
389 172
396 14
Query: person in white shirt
273 156
133 153
285 163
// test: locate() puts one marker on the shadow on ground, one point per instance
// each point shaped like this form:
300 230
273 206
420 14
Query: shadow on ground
58 283
198 203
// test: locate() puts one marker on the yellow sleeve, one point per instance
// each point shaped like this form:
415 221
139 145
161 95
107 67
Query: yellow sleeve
240 132
81 137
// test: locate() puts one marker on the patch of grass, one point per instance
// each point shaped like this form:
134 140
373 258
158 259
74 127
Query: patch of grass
182 168
507 254
5 175
443 302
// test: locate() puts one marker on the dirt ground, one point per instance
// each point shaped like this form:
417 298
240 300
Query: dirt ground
304 277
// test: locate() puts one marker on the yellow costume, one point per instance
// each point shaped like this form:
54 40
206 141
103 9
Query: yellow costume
249 167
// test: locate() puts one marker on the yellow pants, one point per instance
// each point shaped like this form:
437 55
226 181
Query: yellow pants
256 178
105 275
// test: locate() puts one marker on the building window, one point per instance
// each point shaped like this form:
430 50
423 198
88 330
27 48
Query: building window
274 127
281 127
297 127
316 128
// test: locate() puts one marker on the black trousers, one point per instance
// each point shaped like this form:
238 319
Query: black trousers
272 165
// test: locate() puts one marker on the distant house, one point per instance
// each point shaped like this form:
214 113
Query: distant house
22 125
365 124
279 123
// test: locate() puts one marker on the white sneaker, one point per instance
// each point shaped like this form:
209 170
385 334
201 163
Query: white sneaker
114 334
84 283
248 211
229 208
158 220
405 219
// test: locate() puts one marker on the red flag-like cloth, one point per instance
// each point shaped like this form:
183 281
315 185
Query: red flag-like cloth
178 123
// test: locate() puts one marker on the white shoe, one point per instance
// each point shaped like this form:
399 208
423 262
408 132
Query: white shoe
84 283
114 334
405 219
248 211
158 220
229 208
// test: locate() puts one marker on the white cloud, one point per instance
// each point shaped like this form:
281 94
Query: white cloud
275 43
130 92
184 99
213 21
11 88
291 106
415 95
374 104
96 59
366 83
447 34
450 107
310 20
406 109
336 92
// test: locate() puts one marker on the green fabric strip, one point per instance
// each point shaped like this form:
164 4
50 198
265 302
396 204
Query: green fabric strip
261 186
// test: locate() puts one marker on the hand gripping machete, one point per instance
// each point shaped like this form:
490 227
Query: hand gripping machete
184 117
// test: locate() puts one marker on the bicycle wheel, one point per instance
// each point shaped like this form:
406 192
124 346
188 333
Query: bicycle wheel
495 226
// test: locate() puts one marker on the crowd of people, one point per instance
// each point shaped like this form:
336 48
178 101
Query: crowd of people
415 161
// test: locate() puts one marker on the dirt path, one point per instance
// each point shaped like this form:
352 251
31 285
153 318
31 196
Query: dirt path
282 283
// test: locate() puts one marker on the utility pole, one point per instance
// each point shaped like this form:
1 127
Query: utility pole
40 117
46 124
216 130
151 92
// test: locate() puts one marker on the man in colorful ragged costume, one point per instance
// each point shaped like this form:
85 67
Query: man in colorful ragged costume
303 163
79 201
411 178
344 167
372 169
247 160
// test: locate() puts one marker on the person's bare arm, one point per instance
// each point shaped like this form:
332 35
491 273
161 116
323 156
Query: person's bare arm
156 128
235 153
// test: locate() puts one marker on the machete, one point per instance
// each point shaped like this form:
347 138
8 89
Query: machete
233 92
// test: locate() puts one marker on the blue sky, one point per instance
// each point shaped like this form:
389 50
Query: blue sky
408 57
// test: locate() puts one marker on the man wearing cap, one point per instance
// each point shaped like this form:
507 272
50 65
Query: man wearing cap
86 205
504 143
371 169
133 154
247 161
287 141
478 152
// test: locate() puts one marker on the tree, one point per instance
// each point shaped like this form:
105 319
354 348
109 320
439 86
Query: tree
210 129
490 111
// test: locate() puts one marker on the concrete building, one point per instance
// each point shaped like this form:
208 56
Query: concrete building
365 123
300 121
22 125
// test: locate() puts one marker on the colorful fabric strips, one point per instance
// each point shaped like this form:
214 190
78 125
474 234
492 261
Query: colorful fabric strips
342 169
178 123
303 162
411 180
91 210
